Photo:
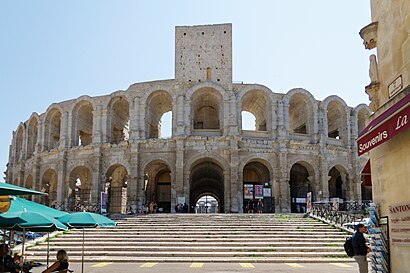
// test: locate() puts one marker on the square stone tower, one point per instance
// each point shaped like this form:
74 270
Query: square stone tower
204 53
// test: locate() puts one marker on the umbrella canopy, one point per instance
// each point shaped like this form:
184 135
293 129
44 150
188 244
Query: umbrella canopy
19 205
86 220
8 189
32 221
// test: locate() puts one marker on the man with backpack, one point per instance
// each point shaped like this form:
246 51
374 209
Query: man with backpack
360 248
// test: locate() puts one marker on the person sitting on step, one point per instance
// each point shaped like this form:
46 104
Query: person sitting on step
61 265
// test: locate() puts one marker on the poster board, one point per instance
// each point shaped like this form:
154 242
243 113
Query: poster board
248 191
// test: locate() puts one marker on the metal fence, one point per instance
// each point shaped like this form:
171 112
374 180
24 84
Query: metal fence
344 214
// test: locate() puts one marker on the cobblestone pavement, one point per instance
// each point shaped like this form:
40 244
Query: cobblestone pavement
211 267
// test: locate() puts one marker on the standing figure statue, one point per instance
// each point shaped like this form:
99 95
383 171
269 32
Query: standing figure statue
373 70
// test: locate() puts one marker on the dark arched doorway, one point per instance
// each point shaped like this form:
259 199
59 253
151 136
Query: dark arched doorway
299 187
207 179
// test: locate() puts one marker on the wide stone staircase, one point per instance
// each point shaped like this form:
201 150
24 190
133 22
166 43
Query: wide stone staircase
202 238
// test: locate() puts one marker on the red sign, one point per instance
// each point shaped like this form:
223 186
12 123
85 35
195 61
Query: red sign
385 130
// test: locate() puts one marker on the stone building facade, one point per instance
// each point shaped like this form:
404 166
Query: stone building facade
389 93
112 143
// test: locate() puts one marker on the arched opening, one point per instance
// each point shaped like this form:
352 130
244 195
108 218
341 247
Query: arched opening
49 185
207 203
336 121
83 124
119 120
337 183
207 109
362 118
299 187
257 188
248 121
166 125
158 186
116 189
79 190
52 130
256 102
300 114
206 179
158 104
19 144
32 135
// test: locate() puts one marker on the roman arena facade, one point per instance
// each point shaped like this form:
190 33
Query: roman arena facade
112 144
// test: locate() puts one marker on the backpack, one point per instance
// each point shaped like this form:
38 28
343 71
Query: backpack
348 246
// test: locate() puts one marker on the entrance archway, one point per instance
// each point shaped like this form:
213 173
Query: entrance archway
207 203
207 179
337 182
116 189
300 186
158 185
257 185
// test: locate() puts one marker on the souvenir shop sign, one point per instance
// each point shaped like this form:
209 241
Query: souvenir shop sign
399 215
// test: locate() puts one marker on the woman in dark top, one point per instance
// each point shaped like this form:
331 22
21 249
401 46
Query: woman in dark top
61 265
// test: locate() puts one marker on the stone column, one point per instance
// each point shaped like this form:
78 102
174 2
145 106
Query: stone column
180 124
105 132
225 117
284 196
234 179
97 125
177 186
135 119
62 178
233 116
133 198
97 177
64 131
227 190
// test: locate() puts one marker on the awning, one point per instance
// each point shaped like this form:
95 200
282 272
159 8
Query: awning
393 121
366 174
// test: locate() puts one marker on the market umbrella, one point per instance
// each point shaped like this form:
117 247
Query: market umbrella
18 204
85 220
29 221
9 189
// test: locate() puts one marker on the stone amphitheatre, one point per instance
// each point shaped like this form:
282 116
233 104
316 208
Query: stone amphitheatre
111 144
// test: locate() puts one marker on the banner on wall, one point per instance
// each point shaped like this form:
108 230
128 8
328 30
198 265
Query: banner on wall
104 202
248 191
258 191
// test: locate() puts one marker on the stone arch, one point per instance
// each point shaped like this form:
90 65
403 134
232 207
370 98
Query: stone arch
207 202
207 177
157 104
79 188
18 152
52 127
32 134
301 113
257 175
206 102
82 122
300 184
361 114
157 184
335 110
257 100
338 181
118 118
29 184
49 184
116 180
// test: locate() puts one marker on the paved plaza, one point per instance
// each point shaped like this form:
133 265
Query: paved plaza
212 267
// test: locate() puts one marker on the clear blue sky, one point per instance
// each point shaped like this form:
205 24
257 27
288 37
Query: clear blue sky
52 51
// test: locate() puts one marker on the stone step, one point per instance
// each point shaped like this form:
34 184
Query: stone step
195 243
336 254
199 236
132 259
192 249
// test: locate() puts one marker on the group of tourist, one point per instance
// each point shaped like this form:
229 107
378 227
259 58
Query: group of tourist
181 208
15 264
254 206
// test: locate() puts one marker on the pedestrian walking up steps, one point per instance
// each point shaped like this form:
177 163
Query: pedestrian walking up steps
249 238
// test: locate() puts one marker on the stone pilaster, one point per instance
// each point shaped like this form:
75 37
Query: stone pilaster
236 200
177 186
